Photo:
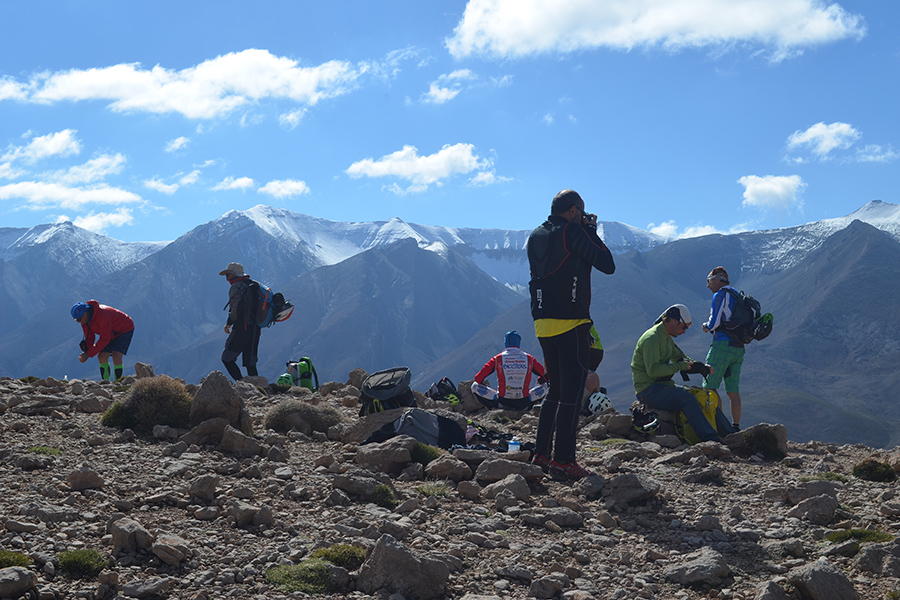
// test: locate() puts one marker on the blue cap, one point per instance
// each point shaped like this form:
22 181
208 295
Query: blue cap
78 310
512 338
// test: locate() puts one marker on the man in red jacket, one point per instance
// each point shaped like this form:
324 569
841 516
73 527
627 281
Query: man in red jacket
113 330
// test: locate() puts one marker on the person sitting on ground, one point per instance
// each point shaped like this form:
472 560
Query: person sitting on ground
107 332
514 370
656 359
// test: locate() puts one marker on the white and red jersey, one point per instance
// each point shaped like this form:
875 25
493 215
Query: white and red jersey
514 368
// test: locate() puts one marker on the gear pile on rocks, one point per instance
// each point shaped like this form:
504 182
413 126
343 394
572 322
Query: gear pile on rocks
265 478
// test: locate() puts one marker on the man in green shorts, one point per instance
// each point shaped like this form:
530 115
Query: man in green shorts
726 355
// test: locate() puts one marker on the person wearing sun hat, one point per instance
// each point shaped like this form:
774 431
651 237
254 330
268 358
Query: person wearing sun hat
243 336
656 359
107 332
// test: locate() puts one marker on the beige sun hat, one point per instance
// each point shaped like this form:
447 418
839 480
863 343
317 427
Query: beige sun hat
235 269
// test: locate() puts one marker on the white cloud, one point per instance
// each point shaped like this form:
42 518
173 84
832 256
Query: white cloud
548 119
421 171
159 186
666 230
292 119
515 28
8 172
191 178
821 139
285 188
485 178
439 95
39 195
12 90
447 86
772 191
97 222
93 170
61 143
177 144
875 153
669 230
211 89
230 183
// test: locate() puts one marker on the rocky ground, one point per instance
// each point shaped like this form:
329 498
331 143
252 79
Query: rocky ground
204 514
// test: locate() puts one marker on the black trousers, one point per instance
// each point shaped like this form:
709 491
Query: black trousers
242 341
566 360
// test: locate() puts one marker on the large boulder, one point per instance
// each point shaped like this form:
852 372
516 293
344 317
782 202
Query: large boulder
217 398
393 567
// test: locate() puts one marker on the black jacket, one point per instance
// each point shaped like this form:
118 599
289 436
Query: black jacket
560 256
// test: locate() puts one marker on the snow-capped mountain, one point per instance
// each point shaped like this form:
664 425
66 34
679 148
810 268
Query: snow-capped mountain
438 299
41 264
498 252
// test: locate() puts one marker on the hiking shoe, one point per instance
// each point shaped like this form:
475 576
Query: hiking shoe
572 470
541 461
737 426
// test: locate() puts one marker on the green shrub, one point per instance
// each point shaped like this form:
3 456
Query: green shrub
302 416
310 577
384 496
860 535
29 379
424 454
826 476
612 441
873 470
8 558
151 401
83 563
117 416
434 488
342 555
48 450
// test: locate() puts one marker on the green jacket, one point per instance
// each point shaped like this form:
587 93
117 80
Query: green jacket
656 359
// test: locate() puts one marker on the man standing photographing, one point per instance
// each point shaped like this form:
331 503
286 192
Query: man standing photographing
561 254
726 355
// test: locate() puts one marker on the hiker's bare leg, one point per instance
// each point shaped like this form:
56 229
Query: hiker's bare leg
735 400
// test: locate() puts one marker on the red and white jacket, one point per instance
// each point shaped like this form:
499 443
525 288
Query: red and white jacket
514 368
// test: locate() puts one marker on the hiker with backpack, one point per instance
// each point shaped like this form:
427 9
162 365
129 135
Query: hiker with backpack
726 353
561 255
656 359
113 330
243 332
514 369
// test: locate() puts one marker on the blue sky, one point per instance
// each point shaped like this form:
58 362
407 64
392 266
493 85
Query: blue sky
142 120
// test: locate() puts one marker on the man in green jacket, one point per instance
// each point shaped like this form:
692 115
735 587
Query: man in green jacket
656 359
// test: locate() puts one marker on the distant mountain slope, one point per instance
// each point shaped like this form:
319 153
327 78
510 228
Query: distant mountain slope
828 371
438 300
47 262
397 305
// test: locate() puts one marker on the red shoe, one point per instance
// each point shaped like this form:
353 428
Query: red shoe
541 461
572 470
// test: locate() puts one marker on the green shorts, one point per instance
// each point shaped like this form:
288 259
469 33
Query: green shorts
724 358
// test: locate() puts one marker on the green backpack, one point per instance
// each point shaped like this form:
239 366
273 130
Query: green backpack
304 373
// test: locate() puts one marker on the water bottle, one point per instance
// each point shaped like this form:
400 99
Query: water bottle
514 445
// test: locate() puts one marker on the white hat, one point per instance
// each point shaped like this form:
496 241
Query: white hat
236 269
683 314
